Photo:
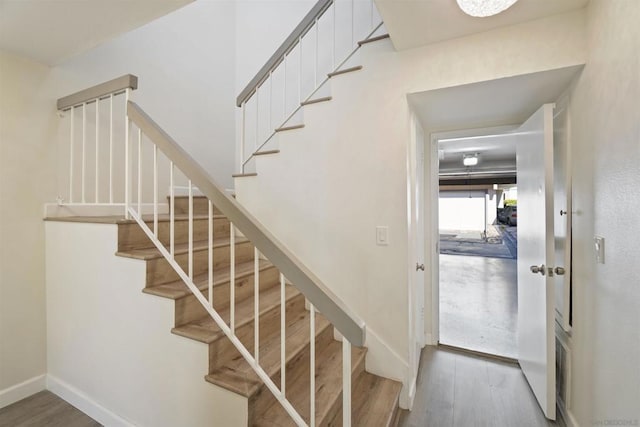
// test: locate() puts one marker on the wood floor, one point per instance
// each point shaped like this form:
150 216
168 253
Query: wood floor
462 390
44 409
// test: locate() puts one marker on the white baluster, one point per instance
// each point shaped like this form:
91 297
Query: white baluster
243 135
283 336
346 383
140 172
210 228
155 190
71 148
256 302
84 143
190 255
172 214
111 148
333 51
312 365
232 279
299 72
255 145
315 67
127 171
97 148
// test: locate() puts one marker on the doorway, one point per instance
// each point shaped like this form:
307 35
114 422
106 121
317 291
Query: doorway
477 223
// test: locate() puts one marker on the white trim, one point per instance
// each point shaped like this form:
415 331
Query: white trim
85 404
428 340
411 395
385 362
571 420
20 391
55 210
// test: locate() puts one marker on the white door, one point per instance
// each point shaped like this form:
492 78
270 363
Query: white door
536 254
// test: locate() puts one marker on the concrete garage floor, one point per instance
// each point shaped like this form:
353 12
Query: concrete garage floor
479 303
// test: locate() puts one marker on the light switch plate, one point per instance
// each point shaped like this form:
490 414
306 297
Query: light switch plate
382 235
598 243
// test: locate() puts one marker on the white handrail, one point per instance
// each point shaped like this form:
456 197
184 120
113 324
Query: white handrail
264 244
275 251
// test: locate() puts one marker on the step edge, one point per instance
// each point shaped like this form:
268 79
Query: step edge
150 290
244 322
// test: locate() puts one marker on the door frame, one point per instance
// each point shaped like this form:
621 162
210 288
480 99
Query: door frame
432 232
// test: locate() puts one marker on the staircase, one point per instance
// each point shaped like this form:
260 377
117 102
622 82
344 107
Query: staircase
375 399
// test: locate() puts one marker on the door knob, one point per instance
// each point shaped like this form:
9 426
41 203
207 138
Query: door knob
535 269
559 271
419 267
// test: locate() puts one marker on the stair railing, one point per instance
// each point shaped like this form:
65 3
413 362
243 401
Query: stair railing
327 37
97 118
149 160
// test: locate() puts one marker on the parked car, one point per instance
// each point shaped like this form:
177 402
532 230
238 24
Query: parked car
510 214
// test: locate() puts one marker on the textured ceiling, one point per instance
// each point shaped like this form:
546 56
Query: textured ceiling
50 31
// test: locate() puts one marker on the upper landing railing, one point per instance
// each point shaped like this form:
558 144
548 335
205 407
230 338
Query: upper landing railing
319 46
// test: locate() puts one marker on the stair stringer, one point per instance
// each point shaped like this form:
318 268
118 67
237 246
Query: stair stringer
110 343
320 196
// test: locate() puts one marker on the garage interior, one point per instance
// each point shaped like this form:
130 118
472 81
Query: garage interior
478 254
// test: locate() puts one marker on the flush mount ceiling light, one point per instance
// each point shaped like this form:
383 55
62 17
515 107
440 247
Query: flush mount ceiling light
483 8
470 159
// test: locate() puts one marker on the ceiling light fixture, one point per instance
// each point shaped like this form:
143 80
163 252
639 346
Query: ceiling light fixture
484 8
470 159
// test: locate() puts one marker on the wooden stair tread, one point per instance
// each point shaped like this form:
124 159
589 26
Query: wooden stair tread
107 219
180 217
375 400
178 289
179 248
344 71
239 377
328 387
316 100
266 152
373 39
207 331
292 127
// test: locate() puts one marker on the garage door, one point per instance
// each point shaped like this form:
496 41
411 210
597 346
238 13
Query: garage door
462 210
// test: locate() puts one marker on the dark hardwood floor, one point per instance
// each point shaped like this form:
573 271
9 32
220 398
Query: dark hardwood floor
456 389
44 409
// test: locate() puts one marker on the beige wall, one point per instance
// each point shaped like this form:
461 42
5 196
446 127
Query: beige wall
605 127
346 172
27 115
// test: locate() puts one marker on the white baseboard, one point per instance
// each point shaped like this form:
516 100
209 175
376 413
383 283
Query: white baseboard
383 361
411 395
84 403
20 391
567 417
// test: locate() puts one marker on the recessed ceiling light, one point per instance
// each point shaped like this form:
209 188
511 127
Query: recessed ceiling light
484 8
470 159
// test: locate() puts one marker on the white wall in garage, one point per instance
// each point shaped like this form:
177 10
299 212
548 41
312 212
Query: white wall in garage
462 210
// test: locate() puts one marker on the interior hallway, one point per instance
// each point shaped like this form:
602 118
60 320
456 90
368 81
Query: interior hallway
479 304
455 389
